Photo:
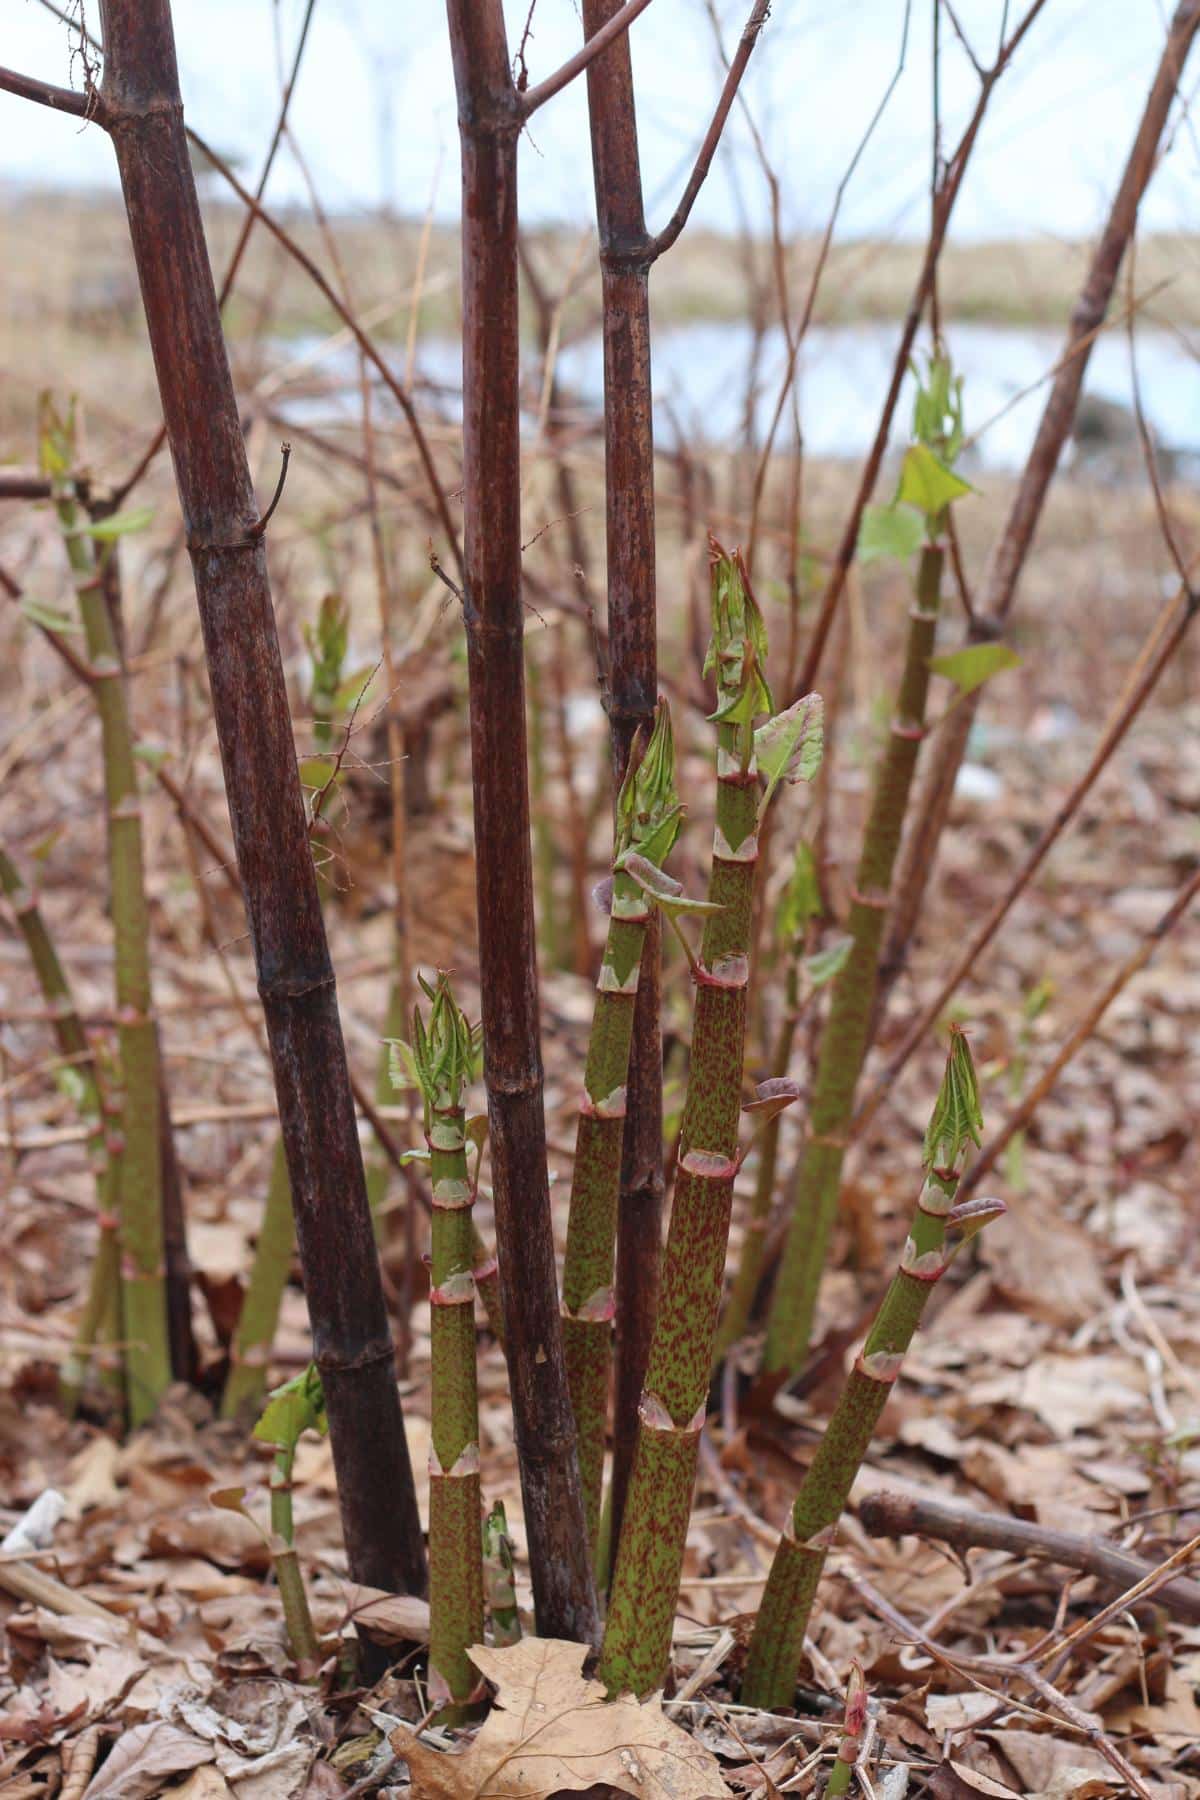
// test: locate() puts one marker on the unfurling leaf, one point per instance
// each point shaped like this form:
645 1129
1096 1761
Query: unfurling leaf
552 1730
666 893
737 650
402 1064
967 1220
789 747
938 409
926 482
889 531
296 1407
970 668
648 811
957 1119
824 964
773 1096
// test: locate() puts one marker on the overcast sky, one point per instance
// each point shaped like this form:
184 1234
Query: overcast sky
374 109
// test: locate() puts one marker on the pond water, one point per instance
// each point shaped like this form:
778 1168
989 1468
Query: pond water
701 371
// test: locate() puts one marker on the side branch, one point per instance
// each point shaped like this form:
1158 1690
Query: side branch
759 14
27 87
620 22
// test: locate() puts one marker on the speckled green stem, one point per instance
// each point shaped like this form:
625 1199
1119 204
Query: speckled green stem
455 1545
778 1638
588 1304
637 1638
845 1039
246 1382
143 1283
754 1246
72 1042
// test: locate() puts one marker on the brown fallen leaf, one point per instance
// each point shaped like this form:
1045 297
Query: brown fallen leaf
204 1783
394 1618
1076 1784
955 1781
553 1729
79 1760
141 1760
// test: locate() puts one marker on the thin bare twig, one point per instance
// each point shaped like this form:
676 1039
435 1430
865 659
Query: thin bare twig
759 13
620 22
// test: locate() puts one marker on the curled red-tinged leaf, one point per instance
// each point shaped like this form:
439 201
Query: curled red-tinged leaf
773 1096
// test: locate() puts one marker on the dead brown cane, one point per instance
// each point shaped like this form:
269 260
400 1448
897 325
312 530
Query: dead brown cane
627 251
140 107
490 118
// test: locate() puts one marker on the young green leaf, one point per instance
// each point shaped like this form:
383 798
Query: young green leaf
889 531
824 964
926 482
48 617
968 669
801 899
118 525
789 747
296 1407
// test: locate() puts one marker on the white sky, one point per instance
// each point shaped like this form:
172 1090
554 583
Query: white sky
374 109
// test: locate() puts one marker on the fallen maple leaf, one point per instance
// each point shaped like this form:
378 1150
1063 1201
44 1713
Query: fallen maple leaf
551 1728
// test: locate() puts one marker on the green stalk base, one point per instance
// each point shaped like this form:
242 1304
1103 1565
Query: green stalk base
778 1641
587 1344
641 1608
246 1382
455 1587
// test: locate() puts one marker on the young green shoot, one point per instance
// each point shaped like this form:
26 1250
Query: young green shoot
939 1229
139 1181
648 817
751 763
440 1060
291 1410
914 524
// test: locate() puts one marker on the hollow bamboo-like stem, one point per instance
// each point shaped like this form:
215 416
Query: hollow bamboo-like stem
297 1616
142 110
626 253
588 1303
139 1180
246 1382
293 1596
490 119
845 1038
455 1545
778 1638
647 822
72 1041
749 1270
637 1638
